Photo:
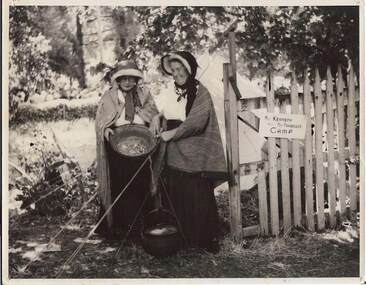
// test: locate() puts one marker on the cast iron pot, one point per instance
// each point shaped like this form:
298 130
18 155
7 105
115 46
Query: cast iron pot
144 135
160 235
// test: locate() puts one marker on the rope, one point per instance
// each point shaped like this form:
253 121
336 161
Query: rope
52 240
73 255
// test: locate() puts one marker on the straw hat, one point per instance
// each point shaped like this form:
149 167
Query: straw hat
126 68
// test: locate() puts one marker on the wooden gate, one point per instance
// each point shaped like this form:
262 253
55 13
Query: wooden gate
311 182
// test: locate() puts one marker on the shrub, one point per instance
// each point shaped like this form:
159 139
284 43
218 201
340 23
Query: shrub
27 114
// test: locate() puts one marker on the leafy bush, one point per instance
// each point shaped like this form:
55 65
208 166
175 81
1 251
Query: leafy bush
58 181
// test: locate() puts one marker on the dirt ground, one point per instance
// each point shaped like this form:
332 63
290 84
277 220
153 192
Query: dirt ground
299 254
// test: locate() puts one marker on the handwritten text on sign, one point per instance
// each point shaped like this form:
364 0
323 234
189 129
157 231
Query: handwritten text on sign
282 126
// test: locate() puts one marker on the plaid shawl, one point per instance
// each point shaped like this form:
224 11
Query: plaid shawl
197 146
109 110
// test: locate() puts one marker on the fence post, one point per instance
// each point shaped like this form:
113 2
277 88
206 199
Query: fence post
232 152
272 155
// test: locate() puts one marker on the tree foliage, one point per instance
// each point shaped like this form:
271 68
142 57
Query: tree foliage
268 38
43 40
28 59
48 40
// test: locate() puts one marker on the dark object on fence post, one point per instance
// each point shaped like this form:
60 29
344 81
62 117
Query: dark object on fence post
232 151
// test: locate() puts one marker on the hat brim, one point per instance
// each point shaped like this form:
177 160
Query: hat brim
127 72
165 62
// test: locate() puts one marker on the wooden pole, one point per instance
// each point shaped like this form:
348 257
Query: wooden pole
296 179
319 151
232 151
232 53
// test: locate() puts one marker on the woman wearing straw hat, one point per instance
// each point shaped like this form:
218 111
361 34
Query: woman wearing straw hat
195 161
124 103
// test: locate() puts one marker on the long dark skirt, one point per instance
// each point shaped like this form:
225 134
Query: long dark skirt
125 211
193 199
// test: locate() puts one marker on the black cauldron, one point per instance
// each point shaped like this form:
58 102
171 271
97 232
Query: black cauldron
160 235
133 141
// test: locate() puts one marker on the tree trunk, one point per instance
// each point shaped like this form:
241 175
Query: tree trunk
80 52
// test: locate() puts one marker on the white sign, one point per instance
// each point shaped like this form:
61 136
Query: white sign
288 126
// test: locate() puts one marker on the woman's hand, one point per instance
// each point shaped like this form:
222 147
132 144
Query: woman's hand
155 125
168 135
107 133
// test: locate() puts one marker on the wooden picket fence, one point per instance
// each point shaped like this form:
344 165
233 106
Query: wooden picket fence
311 182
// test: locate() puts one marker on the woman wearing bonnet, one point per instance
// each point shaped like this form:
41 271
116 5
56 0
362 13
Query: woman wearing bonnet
194 156
124 103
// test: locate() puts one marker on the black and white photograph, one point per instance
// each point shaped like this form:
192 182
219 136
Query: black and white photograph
167 142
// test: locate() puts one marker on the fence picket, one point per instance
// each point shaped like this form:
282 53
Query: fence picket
285 179
262 197
308 156
352 137
330 152
318 98
296 179
272 155
341 138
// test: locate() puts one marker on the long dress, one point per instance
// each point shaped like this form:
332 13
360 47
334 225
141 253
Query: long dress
132 205
190 189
